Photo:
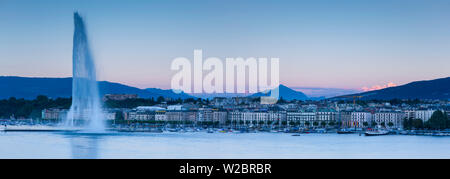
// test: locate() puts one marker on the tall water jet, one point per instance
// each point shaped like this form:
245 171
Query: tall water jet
86 106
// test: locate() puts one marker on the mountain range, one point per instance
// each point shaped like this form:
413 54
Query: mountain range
429 89
29 88
285 93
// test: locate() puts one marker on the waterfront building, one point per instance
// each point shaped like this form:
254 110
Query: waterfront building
175 108
54 114
305 119
258 116
277 116
181 116
143 113
326 115
160 116
345 117
219 116
393 117
110 114
140 115
190 115
149 108
410 114
174 116
58 114
234 116
255 116
205 115
425 115
359 119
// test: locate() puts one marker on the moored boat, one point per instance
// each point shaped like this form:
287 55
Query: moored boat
376 132
345 131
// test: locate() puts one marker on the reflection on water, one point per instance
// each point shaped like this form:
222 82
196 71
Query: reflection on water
217 145
84 147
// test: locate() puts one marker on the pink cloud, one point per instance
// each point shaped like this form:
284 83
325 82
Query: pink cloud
377 87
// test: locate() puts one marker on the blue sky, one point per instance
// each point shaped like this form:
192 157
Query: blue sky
329 44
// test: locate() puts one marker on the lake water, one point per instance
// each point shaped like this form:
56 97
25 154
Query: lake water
218 145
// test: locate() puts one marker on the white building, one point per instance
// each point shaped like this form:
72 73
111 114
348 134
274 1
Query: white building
410 114
301 117
425 115
219 116
249 117
358 119
149 108
396 118
276 116
205 114
160 116
326 116
54 114
143 113
175 107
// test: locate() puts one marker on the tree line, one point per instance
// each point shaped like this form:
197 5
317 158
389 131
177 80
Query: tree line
132 103
23 108
439 120
32 108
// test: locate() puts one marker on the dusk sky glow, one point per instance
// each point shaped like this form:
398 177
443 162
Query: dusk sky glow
347 44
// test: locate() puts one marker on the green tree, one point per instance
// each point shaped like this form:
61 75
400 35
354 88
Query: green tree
447 121
438 120
365 124
417 124
261 123
160 99
332 123
406 123
307 123
390 124
373 124
315 123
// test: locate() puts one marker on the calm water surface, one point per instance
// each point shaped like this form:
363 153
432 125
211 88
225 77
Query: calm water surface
218 145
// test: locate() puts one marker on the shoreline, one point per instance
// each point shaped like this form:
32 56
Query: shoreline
178 129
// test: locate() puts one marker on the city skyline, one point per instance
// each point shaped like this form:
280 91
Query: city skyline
350 45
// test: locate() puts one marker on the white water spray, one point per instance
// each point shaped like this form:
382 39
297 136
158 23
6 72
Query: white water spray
86 106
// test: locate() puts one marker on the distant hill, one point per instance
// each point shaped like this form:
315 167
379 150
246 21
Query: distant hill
431 89
168 93
29 88
285 93
318 92
221 95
